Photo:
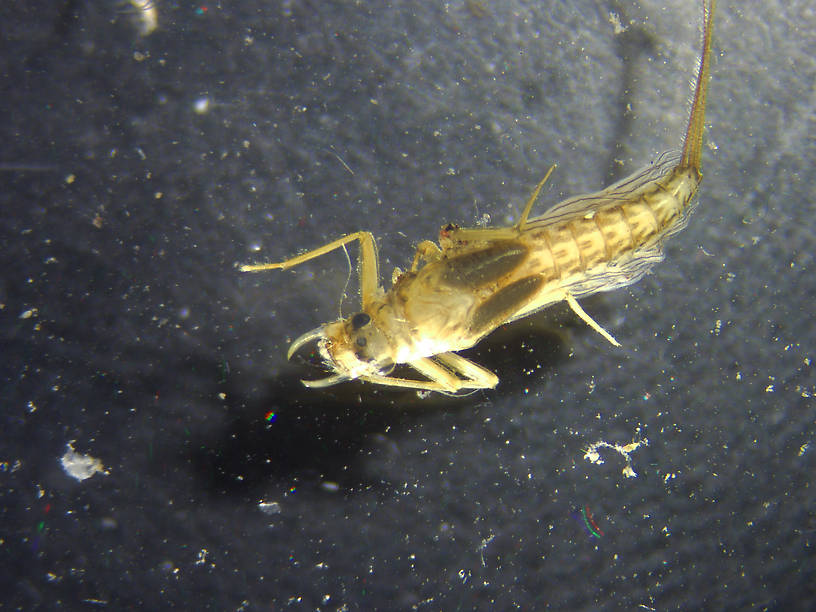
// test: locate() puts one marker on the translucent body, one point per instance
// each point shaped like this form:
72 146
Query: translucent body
478 279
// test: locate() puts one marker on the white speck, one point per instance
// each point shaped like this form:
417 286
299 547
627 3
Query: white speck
201 105
617 26
269 507
201 558
80 466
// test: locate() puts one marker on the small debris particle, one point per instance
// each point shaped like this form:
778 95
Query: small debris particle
592 455
80 466
269 507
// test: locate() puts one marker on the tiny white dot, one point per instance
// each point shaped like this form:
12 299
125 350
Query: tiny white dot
201 105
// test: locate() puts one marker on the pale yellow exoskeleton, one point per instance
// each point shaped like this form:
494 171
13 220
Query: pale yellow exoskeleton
478 279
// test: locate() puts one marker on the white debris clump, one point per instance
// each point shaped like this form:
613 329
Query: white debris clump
80 466
594 456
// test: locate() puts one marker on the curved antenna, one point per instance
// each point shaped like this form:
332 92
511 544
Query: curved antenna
325 382
315 334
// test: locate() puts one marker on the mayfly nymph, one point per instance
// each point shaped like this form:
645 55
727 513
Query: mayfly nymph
476 279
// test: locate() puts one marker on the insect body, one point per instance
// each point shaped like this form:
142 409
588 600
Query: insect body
477 279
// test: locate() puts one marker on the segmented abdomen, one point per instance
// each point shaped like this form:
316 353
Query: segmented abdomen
608 227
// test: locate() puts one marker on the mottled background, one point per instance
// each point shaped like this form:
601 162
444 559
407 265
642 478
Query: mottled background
137 170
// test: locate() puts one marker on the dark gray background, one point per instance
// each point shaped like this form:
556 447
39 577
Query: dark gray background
147 347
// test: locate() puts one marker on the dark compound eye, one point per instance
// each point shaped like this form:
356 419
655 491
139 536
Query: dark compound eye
361 341
359 320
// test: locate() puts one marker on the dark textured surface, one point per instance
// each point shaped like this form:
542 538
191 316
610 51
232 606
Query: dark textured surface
127 328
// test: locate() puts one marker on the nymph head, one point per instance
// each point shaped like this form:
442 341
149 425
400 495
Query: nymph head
352 348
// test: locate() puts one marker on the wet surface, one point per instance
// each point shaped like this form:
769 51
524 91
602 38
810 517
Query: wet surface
138 170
